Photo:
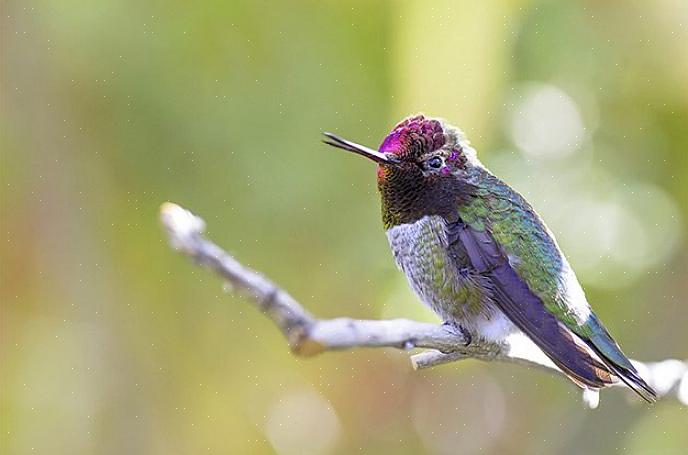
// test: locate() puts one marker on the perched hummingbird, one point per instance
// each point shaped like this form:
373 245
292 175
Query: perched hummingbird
476 252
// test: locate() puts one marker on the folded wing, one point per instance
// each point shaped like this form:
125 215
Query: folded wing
527 311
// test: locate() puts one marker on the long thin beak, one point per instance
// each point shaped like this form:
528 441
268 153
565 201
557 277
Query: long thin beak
336 141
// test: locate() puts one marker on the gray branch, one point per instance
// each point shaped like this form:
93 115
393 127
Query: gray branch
309 336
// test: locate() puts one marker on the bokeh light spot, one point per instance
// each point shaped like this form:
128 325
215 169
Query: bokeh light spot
546 122
302 422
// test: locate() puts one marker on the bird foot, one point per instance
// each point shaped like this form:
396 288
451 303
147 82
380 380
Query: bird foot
467 336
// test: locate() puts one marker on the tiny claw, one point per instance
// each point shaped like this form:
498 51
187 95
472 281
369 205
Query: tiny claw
468 338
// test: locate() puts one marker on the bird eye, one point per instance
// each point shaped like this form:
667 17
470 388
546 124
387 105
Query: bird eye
435 162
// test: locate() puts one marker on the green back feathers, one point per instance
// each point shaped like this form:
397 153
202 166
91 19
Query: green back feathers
522 237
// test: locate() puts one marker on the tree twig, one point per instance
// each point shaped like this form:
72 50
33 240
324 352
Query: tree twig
308 335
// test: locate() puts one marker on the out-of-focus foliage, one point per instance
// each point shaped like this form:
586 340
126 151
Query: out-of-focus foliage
111 343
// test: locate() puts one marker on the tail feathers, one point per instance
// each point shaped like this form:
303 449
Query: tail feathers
610 354
573 358
633 380
589 374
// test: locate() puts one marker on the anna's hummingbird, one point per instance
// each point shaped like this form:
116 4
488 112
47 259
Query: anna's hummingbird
478 254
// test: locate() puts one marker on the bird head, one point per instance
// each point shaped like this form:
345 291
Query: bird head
419 160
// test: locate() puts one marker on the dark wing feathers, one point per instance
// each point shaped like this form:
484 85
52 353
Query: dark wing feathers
527 311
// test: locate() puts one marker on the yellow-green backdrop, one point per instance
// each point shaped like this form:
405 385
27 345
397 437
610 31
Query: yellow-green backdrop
112 343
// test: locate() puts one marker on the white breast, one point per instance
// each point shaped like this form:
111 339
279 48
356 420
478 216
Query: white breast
420 251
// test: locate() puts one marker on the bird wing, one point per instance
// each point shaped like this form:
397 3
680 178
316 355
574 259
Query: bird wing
526 310
533 285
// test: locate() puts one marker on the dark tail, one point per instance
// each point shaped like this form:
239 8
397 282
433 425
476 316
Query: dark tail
609 352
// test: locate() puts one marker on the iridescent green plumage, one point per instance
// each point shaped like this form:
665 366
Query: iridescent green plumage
522 235
532 252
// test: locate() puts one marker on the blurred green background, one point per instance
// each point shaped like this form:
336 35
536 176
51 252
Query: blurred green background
112 343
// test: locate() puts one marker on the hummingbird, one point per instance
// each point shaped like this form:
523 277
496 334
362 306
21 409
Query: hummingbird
476 252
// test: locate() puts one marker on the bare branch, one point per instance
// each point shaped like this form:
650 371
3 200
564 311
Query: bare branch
308 336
